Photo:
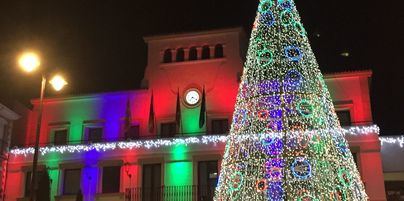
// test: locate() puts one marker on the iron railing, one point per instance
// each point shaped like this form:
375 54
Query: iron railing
170 193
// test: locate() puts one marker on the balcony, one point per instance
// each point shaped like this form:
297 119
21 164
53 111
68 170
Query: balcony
170 193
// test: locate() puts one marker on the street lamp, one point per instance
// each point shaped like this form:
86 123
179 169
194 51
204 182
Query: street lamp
30 62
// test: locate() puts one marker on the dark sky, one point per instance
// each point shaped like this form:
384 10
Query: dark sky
99 45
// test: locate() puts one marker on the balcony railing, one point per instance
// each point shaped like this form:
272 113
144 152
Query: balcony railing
170 193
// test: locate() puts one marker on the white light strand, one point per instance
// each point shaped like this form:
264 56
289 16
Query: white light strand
399 140
211 139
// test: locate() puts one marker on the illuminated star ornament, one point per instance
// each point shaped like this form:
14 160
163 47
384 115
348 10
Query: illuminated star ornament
292 147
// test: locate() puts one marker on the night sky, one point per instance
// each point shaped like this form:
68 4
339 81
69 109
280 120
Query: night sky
99 45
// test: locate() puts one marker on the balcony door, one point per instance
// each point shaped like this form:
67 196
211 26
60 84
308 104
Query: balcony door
207 180
151 183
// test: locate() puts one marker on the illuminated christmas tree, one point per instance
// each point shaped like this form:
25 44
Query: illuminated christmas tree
286 142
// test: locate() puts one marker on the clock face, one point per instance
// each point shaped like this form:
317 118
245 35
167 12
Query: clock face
192 97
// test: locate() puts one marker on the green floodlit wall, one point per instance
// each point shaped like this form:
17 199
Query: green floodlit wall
179 170
190 121
178 173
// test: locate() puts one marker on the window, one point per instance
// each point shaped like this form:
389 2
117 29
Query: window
95 134
151 182
193 54
132 133
60 137
207 179
168 56
71 181
219 51
28 178
180 54
205 52
168 130
220 126
344 117
111 179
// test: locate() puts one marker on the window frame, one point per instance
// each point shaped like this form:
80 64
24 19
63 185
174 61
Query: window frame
101 183
219 54
180 52
191 55
63 182
168 55
219 119
57 126
206 53
169 135
350 117
124 136
92 124
54 136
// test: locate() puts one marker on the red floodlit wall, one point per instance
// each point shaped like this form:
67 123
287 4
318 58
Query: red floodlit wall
350 90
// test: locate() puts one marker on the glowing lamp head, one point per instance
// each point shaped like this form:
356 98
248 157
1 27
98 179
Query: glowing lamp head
58 82
29 61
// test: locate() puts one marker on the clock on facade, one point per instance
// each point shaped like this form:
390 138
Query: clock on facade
192 97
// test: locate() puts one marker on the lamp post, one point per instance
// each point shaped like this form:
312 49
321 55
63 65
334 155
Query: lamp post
30 62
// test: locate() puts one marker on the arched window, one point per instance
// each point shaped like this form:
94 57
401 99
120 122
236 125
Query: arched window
168 56
180 54
206 52
193 54
219 51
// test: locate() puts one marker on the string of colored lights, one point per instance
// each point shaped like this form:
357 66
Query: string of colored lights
157 143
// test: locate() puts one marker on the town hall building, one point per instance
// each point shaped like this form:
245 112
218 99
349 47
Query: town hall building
154 143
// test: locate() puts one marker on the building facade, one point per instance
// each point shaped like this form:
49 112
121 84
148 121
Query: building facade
155 143
7 116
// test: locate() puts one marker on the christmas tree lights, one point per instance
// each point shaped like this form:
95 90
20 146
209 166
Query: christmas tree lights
293 146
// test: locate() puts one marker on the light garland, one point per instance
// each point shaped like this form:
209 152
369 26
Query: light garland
399 140
208 140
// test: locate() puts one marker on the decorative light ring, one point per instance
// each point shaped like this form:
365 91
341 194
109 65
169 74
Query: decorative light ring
345 177
299 28
342 146
293 53
285 4
301 168
265 57
272 146
286 17
305 108
293 79
267 18
263 115
261 185
340 194
236 179
265 5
